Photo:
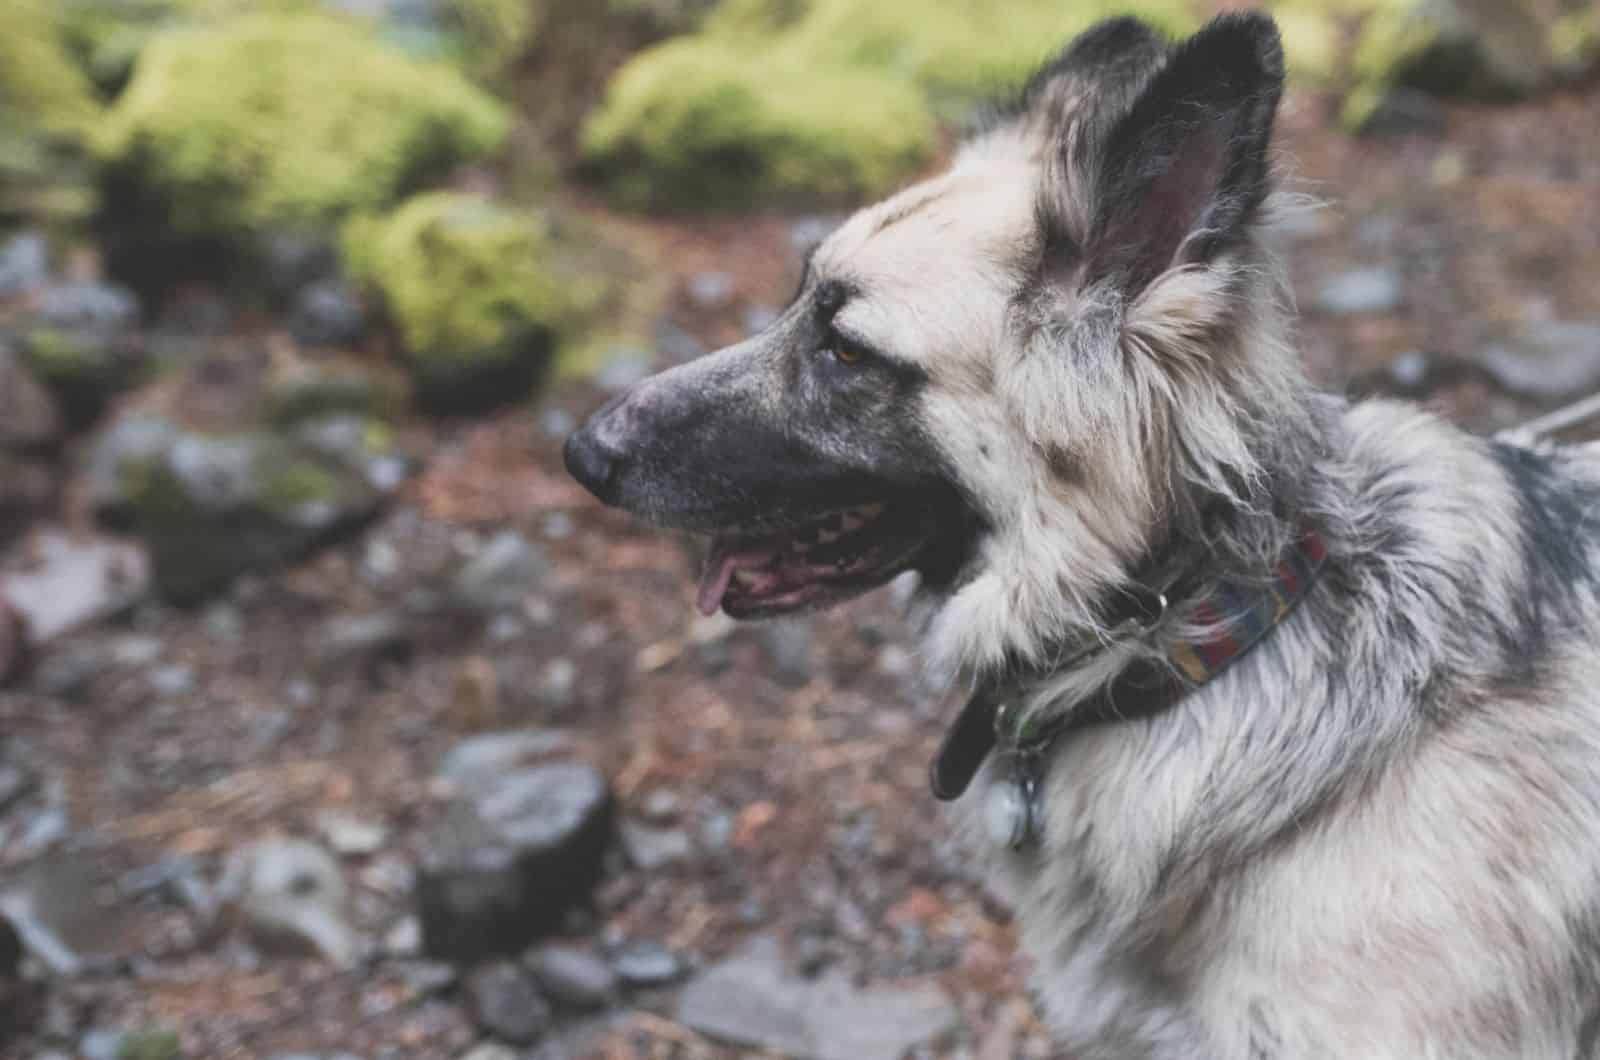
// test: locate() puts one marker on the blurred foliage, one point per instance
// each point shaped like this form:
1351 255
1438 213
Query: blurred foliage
47 108
496 33
817 99
696 123
286 120
476 292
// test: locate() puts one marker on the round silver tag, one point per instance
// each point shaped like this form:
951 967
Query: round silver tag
1006 813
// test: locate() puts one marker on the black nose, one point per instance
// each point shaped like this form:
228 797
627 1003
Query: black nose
590 463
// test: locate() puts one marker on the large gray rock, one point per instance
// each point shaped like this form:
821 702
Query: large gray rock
74 581
210 507
511 857
752 1000
474 765
1552 360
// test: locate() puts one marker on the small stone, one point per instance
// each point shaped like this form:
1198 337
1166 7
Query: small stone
405 938
349 835
24 264
556 423
646 964
501 574
650 848
489 1051
88 304
558 526
622 368
68 672
710 290
759 318
327 313
353 639
1373 290
789 643
56 909
291 891
559 682
660 807
135 650
574 977
172 681
507 1005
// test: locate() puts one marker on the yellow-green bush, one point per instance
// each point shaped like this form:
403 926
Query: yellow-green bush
818 99
473 291
693 123
274 120
46 109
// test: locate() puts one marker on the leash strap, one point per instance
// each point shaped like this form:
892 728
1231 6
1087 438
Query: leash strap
1240 614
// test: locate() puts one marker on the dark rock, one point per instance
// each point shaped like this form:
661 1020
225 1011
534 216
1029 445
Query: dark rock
24 264
752 1000
291 892
14 643
68 672
1550 360
646 964
29 418
507 1005
293 261
1361 291
578 978
16 780
27 494
510 858
364 639
327 313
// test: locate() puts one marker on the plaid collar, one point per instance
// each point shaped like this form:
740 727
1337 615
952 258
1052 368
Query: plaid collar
1239 612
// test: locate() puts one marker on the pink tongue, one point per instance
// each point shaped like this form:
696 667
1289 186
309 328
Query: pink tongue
720 565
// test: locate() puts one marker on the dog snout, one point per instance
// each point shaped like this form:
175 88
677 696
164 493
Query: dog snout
591 463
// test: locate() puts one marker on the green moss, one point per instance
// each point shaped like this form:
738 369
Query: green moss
496 33
47 109
474 291
295 484
695 123
1574 40
779 100
276 120
150 1045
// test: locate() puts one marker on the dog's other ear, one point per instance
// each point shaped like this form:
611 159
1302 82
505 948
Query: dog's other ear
1104 62
1180 174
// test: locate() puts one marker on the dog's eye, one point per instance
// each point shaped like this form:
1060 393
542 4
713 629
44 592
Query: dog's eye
845 353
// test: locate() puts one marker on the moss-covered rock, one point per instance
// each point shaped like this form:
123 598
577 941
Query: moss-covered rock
696 123
818 99
83 343
210 507
47 108
284 120
1485 49
476 292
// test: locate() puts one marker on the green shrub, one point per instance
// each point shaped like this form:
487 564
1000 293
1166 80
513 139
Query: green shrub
473 291
286 120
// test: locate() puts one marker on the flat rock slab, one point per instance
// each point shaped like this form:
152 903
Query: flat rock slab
753 1000
75 581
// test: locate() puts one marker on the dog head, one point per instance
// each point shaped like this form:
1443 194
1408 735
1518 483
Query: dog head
1017 377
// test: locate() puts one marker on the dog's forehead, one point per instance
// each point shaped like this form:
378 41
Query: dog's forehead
959 229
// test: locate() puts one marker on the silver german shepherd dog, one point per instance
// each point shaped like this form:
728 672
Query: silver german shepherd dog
1286 712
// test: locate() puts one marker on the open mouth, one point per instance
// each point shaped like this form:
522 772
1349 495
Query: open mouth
828 559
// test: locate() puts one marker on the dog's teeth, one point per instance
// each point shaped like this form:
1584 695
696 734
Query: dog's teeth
827 537
743 578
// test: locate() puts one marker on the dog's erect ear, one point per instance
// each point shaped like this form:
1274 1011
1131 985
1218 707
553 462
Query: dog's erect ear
1105 62
1178 176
